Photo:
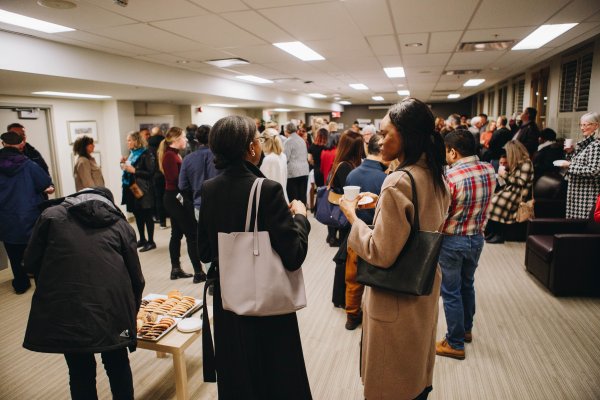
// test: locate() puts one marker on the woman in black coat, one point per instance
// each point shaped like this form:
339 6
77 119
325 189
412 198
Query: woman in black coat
256 357
139 167
89 287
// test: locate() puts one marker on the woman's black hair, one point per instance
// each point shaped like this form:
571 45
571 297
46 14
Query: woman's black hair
202 134
230 139
462 141
81 144
416 125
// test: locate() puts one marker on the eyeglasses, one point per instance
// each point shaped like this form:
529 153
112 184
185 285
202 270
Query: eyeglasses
587 124
261 139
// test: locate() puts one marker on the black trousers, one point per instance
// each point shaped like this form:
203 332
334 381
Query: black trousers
159 192
82 374
296 188
183 223
143 218
15 254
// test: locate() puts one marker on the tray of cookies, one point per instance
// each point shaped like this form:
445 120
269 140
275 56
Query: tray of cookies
155 329
174 304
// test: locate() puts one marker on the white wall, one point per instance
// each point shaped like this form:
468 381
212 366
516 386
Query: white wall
210 115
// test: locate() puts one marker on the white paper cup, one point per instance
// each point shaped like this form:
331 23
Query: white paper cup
350 192
568 143
501 170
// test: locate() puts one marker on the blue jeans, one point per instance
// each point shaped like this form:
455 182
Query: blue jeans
458 260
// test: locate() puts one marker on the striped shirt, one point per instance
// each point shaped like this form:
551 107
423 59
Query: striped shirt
471 184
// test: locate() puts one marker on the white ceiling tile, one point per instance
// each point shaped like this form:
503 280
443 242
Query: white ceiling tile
211 30
280 3
425 60
372 17
594 18
203 53
84 17
444 42
383 45
148 36
481 58
314 22
142 11
432 15
221 6
498 14
257 70
294 67
390 61
88 39
352 44
409 38
262 54
454 86
255 23
514 33
355 63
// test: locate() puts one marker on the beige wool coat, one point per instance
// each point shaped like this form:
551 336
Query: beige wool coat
87 173
398 345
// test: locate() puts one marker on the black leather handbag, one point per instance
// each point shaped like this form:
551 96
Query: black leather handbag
413 272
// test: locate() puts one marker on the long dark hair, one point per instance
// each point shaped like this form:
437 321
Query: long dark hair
81 144
350 149
230 139
321 137
416 125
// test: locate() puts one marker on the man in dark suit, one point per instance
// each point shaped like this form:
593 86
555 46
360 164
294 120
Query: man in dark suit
500 137
528 133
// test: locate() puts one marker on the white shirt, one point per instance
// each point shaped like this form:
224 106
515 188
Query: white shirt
274 167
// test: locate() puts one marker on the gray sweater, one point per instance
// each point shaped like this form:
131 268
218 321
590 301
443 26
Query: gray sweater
297 156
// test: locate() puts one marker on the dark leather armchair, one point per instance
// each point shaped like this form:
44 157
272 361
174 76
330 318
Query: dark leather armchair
564 255
550 196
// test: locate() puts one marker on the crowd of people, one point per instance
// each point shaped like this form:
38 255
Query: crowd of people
471 177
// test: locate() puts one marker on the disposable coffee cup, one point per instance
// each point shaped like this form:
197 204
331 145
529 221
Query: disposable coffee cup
568 143
501 170
350 192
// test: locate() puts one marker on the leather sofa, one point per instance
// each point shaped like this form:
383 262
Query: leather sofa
550 196
564 255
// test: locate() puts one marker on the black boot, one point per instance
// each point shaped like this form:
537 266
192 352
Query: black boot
179 273
200 277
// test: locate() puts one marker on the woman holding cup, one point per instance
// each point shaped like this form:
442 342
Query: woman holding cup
583 168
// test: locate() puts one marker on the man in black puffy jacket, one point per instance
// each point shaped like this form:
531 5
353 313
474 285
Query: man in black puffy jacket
83 255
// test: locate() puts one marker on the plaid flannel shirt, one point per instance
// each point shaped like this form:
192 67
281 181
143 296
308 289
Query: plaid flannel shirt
471 184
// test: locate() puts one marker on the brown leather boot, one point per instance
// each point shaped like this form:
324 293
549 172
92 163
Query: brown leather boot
444 349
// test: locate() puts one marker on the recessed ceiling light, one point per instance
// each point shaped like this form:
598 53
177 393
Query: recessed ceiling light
282 109
404 92
453 96
299 50
31 23
182 61
222 105
474 82
57 4
345 102
542 35
414 44
255 79
495 68
378 98
394 72
317 95
227 62
75 95
358 86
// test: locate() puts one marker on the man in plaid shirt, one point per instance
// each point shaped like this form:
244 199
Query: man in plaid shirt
472 184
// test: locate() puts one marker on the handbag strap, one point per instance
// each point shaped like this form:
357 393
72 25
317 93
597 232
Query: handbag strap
333 174
415 200
254 193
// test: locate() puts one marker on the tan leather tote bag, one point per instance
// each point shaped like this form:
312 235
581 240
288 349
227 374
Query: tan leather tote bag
252 277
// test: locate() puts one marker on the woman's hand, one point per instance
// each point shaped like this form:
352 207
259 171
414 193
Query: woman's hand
297 207
349 208
569 150
129 169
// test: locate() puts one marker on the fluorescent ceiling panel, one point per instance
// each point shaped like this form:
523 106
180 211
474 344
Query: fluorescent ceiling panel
299 50
317 95
282 109
74 95
542 35
345 102
453 96
31 23
474 82
255 79
222 105
404 92
394 72
358 86
378 98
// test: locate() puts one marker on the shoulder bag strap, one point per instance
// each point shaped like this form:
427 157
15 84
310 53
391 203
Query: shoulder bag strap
415 200
259 186
249 209
333 175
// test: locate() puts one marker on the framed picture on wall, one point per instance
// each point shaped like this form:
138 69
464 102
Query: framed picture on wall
82 128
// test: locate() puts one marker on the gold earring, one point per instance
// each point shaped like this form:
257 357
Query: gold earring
253 153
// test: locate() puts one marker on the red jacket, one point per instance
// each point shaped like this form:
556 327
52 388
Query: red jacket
327 157
171 164
597 211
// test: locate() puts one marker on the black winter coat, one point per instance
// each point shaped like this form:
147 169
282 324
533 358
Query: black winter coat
145 166
543 160
89 281
256 357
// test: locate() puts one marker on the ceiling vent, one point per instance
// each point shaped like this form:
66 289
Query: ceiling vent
486 46
461 71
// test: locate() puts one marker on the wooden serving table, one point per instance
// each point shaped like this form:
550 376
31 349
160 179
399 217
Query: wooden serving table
175 343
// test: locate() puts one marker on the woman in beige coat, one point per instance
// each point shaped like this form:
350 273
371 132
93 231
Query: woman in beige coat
86 172
398 345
